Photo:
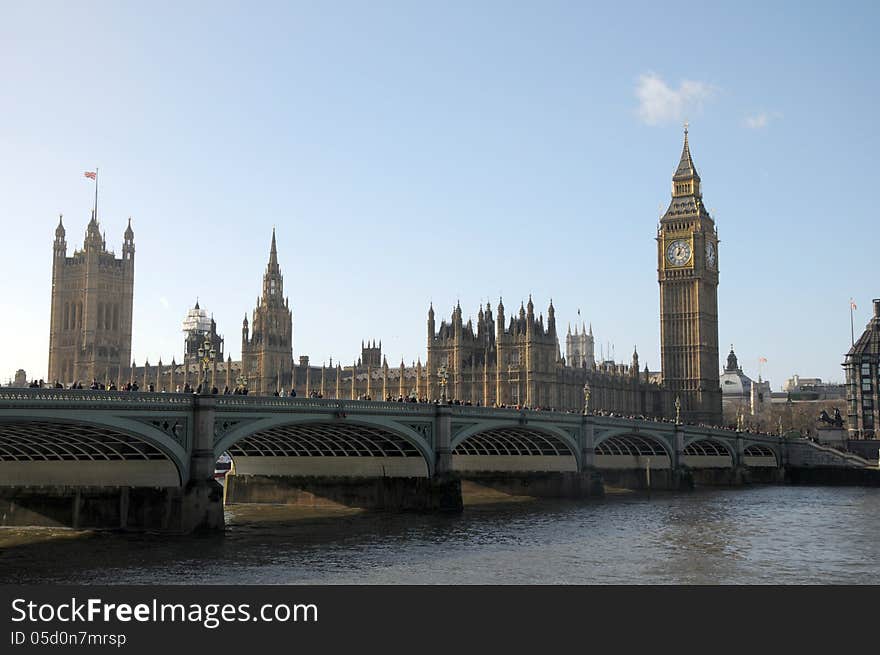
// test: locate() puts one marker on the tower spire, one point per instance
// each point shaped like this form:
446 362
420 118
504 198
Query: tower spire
273 254
686 180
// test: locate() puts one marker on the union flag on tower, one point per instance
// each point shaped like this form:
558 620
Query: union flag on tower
91 174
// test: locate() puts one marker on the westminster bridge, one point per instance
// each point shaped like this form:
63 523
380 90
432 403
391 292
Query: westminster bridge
138 460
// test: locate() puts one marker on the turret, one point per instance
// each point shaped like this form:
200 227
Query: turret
128 242
60 245
551 319
456 315
500 320
93 241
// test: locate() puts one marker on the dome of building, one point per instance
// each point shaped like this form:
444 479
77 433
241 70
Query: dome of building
733 381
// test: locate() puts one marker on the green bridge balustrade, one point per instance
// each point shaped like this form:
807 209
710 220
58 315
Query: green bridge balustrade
140 460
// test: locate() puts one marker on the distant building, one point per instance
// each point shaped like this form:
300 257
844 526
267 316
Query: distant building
739 390
687 258
862 365
579 347
798 388
736 386
90 320
267 344
20 379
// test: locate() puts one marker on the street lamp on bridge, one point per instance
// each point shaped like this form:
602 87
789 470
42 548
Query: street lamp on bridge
443 375
207 355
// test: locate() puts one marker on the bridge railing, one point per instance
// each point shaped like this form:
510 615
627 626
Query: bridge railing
82 397
88 398
325 404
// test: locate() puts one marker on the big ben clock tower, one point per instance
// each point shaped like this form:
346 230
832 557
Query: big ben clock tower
687 270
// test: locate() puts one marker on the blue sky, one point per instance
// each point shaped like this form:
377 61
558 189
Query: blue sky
409 152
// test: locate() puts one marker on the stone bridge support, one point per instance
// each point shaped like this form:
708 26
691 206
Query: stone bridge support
682 476
202 494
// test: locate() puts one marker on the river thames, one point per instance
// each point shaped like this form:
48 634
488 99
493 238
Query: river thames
757 535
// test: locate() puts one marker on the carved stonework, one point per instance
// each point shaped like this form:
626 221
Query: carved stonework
173 427
424 429
222 426
458 427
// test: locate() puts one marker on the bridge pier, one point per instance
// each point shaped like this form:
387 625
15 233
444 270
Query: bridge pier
202 498
550 484
161 509
437 494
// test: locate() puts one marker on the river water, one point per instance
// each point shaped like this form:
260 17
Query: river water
758 535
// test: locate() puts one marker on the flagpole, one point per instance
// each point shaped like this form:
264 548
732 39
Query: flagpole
852 330
96 193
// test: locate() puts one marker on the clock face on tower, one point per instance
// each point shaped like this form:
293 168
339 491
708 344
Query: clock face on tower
678 253
710 254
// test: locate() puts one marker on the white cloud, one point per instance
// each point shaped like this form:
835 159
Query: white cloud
164 302
660 103
762 120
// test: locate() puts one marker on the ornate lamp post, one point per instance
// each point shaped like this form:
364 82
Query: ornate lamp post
206 354
443 375
677 410
586 398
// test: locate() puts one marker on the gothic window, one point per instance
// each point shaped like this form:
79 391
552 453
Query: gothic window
79 315
67 316
100 316
116 316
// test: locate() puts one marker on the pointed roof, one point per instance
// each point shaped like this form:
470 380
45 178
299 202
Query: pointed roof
59 231
686 169
273 253
93 233
129 233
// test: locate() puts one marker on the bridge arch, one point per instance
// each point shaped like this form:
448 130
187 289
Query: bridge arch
622 449
506 447
758 455
706 452
317 445
120 452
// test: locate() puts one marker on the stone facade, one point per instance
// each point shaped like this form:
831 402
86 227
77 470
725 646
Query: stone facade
90 321
519 363
687 268
580 347
267 351
862 366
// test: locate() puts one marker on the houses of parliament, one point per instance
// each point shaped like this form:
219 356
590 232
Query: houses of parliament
506 359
